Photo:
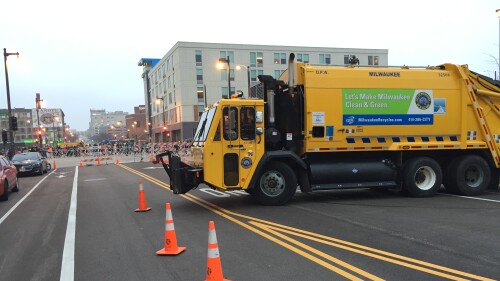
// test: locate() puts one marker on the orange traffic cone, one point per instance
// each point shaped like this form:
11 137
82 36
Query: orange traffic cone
150 158
81 164
171 247
55 166
143 207
214 267
117 161
98 161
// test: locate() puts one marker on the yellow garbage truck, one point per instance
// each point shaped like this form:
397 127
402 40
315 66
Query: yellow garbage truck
336 127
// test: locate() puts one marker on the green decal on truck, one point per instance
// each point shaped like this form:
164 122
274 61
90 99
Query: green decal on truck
387 107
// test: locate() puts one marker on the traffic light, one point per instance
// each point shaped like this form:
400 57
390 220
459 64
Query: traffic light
165 129
39 134
13 120
4 136
168 134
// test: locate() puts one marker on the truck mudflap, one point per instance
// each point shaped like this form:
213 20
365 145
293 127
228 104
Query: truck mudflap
183 177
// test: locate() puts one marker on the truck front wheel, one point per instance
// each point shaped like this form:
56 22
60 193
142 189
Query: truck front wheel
422 177
276 185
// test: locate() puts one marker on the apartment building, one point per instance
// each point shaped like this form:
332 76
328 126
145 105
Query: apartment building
108 123
179 85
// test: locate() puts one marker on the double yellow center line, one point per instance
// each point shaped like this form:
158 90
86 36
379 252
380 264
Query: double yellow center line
281 235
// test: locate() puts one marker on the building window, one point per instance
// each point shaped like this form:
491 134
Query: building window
253 59
277 73
199 76
347 58
201 95
372 60
283 58
279 58
198 58
303 58
260 59
256 59
255 73
200 111
225 54
223 74
325 59
224 93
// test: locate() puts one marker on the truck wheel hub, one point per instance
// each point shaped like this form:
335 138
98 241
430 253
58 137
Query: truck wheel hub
272 184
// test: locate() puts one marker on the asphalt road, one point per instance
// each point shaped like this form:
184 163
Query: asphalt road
340 235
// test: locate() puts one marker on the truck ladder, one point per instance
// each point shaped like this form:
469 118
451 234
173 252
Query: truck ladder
485 128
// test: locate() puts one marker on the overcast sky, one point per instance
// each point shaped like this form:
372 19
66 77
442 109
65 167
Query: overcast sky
82 55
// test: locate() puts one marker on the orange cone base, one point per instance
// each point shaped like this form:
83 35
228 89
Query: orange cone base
164 252
222 279
143 210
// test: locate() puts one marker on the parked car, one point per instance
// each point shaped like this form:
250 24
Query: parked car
30 163
8 178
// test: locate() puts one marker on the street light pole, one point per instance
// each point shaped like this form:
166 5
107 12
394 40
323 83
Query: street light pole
226 60
55 131
38 106
9 110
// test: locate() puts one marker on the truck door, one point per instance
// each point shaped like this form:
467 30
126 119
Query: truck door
238 143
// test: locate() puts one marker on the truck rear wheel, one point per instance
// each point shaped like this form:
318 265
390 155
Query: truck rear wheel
468 175
276 185
495 179
422 177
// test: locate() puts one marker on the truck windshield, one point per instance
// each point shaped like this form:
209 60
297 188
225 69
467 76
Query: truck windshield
204 125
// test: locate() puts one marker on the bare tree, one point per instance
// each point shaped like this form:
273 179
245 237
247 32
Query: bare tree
494 60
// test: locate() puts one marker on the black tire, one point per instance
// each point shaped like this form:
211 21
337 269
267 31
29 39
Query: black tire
16 188
468 175
250 191
5 195
41 171
276 185
495 179
422 177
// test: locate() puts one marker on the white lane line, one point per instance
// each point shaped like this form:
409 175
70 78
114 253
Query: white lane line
98 179
474 198
68 258
25 196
